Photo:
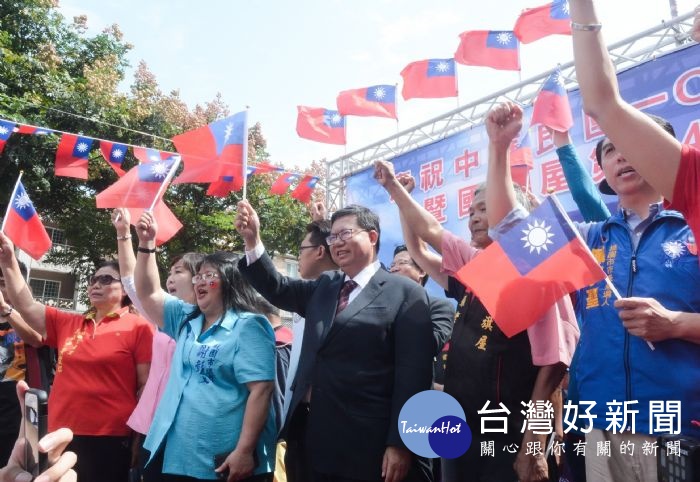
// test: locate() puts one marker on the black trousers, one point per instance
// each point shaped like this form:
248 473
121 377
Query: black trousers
101 458
297 458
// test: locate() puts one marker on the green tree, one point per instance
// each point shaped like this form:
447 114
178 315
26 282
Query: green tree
53 74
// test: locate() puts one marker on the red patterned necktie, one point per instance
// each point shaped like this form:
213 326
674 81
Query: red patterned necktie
344 297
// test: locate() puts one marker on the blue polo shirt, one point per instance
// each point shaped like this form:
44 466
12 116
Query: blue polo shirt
201 412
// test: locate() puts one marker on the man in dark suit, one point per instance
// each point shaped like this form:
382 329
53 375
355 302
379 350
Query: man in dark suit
368 348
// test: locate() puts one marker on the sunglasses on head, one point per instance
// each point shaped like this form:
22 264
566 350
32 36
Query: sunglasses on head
103 279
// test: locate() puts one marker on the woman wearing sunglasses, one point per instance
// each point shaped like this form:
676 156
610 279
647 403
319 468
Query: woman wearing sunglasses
103 361
215 418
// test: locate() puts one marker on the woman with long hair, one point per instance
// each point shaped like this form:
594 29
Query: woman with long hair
216 407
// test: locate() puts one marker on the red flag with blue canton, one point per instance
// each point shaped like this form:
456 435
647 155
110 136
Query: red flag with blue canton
282 183
377 100
552 107
536 23
114 153
168 223
523 273
320 125
498 49
227 184
213 151
137 188
429 79
72 156
24 227
146 154
262 168
305 188
32 130
521 159
6 130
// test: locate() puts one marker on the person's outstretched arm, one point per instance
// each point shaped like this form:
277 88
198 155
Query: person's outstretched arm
146 276
653 153
19 294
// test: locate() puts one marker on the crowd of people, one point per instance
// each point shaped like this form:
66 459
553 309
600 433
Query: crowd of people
197 379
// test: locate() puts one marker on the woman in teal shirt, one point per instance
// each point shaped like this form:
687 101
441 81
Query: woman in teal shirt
217 400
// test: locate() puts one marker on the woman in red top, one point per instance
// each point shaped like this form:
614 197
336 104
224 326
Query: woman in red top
103 361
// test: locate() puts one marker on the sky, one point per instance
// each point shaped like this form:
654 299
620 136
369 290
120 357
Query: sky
273 55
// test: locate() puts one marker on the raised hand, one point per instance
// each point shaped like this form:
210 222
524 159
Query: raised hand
503 124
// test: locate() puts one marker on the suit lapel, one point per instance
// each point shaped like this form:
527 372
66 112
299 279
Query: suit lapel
368 294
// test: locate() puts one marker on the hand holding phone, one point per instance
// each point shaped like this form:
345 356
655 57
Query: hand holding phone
219 459
35 427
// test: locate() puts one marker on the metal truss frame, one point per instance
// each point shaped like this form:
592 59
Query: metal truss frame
667 37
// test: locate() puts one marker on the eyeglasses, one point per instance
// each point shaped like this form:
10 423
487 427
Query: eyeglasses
343 235
401 262
204 277
103 279
301 248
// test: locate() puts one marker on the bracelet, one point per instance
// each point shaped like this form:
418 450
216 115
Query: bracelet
586 27
146 250
9 312
123 238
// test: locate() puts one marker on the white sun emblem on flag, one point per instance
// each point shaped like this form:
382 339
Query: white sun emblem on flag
565 7
22 201
117 153
82 147
336 119
504 38
159 169
559 79
537 236
379 93
228 132
3 130
442 67
673 249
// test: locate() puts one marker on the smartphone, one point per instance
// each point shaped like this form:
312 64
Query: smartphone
35 426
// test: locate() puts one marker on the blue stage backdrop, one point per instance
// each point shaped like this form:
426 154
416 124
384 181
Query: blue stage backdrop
448 171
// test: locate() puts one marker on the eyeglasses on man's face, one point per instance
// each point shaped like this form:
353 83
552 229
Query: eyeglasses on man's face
103 279
308 246
343 235
209 275
400 262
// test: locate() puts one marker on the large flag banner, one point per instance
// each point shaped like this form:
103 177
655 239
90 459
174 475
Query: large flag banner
213 151
72 156
114 153
523 273
320 125
168 223
498 49
146 154
377 100
138 187
6 130
536 23
23 225
429 79
552 108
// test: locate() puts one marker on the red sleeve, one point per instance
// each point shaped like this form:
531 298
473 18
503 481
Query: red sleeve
686 191
51 316
143 340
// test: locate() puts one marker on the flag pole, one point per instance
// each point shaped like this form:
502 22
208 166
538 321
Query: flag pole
608 282
165 183
9 205
245 154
